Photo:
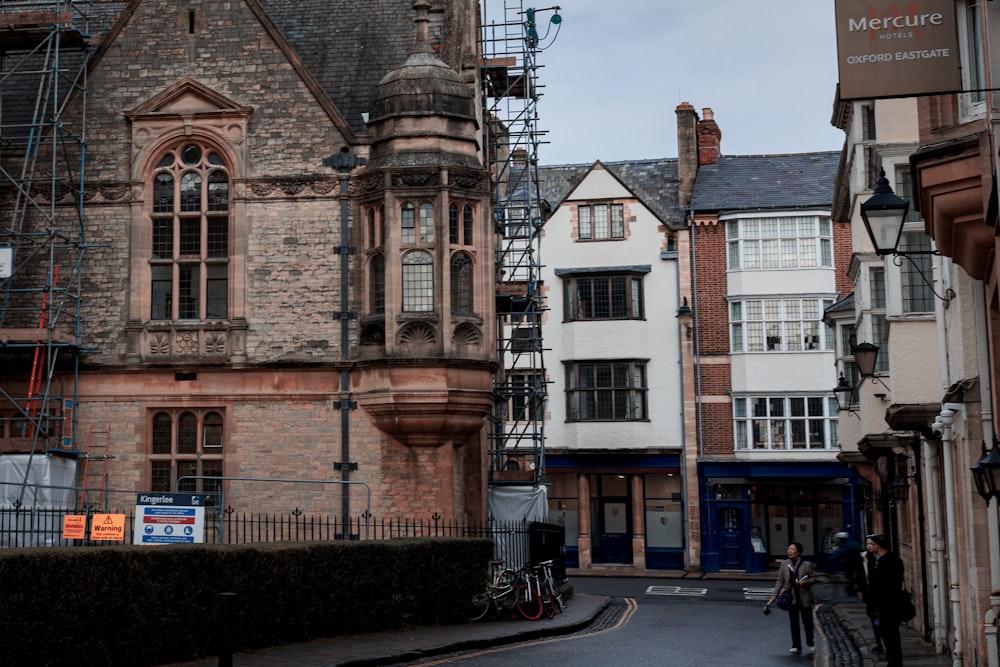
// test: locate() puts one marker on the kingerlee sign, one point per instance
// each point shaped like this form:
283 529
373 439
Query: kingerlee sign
889 49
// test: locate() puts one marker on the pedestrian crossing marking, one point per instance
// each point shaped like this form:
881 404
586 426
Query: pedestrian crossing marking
756 593
676 590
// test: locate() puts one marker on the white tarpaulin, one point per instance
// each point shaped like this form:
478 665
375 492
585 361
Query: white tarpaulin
516 504
35 492
519 503
48 485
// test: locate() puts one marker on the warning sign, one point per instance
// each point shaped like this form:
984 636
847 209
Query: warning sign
108 527
74 526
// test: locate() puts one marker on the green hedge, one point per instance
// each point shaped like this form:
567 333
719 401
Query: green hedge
142 605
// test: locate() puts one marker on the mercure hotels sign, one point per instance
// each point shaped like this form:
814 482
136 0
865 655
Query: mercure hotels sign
889 49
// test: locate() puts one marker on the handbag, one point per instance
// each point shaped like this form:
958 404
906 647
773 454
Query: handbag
784 599
905 608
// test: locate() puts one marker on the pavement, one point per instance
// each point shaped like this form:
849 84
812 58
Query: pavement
844 635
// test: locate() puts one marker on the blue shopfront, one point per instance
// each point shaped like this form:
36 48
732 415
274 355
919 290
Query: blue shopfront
751 511
618 509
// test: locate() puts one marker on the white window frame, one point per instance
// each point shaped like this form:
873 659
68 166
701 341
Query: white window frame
971 105
780 319
777 416
785 242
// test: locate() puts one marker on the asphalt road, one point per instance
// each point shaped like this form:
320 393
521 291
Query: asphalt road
652 622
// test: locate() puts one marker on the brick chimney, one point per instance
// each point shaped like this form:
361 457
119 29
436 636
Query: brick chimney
709 139
687 152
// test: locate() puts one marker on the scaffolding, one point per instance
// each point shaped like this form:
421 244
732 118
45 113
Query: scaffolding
510 46
44 51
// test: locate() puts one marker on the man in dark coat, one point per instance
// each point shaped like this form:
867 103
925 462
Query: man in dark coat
881 595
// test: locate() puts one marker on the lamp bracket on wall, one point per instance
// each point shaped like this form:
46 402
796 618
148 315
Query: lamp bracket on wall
897 259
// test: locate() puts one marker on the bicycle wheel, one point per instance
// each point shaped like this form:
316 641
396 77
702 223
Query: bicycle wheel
506 590
529 601
548 601
479 606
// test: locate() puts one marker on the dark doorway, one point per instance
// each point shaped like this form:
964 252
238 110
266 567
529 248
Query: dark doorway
613 543
732 540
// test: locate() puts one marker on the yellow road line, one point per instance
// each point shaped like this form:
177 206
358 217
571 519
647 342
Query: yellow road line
630 607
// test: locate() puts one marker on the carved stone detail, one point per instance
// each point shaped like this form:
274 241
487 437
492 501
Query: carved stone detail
466 180
417 333
114 192
186 342
416 179
167 342
467 334
366 184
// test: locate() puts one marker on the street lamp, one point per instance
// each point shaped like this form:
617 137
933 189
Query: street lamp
900 489
844 393
986 473
884 213
865 356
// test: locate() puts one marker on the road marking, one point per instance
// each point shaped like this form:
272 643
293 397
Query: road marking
676 590
753 593
630 608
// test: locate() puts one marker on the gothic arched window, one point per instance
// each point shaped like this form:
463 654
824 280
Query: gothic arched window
467 225
461 283
453 224
418 282
189 263
376 285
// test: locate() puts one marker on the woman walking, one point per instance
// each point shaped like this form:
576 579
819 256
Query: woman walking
796 575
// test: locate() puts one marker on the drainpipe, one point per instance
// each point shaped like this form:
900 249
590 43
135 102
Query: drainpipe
922 527
946 419
343 162
686 523
932 469
706 508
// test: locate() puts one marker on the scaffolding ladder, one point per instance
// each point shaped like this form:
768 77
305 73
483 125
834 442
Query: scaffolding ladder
94 479
509 73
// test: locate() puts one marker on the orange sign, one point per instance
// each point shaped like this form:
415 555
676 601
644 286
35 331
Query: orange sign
74 526
108 527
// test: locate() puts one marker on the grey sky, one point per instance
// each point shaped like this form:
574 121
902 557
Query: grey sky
618 69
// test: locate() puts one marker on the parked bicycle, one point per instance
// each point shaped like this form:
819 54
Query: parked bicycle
539 593
553 588
500 593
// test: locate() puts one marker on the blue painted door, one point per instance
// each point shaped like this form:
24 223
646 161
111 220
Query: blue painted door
732 541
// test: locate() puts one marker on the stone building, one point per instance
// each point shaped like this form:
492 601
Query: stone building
289 270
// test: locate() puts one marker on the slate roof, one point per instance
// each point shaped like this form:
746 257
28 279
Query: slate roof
654 182
762 182
347 46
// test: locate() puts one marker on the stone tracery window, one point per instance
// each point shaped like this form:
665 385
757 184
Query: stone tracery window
189 263
376 285
186 444
461 283
417 223
418 282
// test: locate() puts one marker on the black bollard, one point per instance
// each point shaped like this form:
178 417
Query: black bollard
226 629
